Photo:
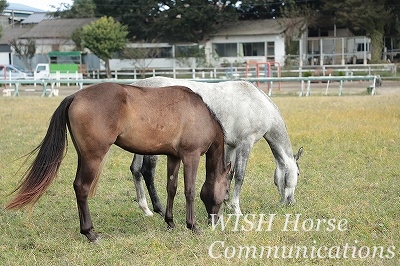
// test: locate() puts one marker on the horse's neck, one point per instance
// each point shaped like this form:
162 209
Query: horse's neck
279 142
215 158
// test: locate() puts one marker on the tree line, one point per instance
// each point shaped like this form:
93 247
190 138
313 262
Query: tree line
191 20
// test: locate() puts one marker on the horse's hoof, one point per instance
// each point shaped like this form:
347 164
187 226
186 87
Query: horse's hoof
288 202
92 236
196 230
193 228
160 212
148 213
170 225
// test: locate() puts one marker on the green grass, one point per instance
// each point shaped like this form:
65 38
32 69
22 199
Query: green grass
350 170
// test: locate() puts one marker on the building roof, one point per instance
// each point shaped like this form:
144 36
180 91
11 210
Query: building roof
250 27
10 34
35 18
56 28
20 7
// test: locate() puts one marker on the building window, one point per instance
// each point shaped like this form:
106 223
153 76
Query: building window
164 52
144 52
252 49
225 49
187 51
271 51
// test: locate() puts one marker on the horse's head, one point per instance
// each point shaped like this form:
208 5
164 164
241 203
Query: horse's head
213 192
286 179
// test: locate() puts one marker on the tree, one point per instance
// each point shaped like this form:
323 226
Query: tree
191 20
363 17
25 51
104 37
138 15
140 55
77 39
259 9
169 20
295 18
79 9
3 5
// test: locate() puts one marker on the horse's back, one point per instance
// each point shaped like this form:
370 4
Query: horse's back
243 110
240 94
143 120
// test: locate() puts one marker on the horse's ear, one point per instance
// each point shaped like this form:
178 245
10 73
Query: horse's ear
298 154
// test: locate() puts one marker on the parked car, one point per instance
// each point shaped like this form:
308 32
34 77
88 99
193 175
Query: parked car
14 72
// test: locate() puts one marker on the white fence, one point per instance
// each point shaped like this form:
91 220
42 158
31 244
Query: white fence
49 86
240 72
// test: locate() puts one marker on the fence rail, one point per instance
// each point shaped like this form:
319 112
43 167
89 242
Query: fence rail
49 87
240 71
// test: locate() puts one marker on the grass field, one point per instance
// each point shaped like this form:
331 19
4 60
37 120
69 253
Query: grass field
350 174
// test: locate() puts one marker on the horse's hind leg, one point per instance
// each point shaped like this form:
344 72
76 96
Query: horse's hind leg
173 164
87 172
148 171
135 168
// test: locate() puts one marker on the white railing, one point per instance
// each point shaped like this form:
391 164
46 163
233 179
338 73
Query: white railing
240 71
49 86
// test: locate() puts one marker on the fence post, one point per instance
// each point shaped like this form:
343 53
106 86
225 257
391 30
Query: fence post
270 89
308 88
44 88
327 85
58 78
373 86
16 89
301 88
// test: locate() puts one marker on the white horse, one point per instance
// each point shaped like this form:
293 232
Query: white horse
247 114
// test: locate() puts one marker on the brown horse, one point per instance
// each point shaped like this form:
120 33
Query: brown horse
171 120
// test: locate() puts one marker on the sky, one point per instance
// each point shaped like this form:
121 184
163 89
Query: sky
41 4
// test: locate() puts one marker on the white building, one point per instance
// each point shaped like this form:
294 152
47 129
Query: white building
243 41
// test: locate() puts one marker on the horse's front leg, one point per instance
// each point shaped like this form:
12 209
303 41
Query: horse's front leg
242 157
135 168
173 164
230 156
190 173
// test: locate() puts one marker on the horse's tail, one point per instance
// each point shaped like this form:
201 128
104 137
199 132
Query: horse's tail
50 153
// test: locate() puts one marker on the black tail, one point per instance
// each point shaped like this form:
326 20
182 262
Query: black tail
45 167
